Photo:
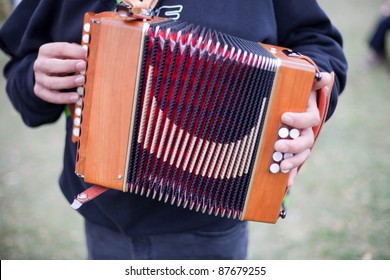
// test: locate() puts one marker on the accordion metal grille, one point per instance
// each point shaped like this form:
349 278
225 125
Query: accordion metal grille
201 106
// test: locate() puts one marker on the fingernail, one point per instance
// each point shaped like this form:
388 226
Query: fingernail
74 97
287 166
79 80
81 66
283 148
287 119
85 48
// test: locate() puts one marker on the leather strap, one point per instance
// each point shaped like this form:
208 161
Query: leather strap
323 102
323 95
88 195
292 53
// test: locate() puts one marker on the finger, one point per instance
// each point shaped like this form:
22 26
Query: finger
63 50
54 66
58 83
295 161
301 120
297 145
291 177
325 79
309 118
56 97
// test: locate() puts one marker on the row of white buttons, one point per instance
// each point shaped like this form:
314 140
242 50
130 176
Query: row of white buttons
80 90
284 132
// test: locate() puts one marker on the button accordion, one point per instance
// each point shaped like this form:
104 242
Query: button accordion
187 115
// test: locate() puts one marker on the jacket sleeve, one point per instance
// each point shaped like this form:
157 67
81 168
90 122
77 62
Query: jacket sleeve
304 27
33 110
21 42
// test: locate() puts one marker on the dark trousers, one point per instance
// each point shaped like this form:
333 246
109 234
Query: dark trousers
378 40
103 243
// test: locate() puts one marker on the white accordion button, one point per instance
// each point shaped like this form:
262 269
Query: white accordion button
77 121
274 168
76 131
294 133
87 27
283 132
80 91
77 112
287 155
277 156
86 38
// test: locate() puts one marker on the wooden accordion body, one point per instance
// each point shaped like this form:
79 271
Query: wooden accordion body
186 115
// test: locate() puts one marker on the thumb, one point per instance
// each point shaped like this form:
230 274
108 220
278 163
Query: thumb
325 80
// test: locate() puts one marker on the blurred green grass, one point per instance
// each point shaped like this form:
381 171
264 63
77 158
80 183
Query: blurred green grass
339 206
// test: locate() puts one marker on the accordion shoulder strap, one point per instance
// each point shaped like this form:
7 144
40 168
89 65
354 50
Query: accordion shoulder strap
323 94
323 101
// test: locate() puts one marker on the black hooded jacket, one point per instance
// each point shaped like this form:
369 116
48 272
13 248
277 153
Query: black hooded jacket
298 24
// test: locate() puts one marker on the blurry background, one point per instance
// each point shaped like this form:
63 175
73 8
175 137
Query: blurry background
339 207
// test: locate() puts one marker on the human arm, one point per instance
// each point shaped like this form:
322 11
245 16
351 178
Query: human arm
39 85
20 82
33 24
311 33
20 43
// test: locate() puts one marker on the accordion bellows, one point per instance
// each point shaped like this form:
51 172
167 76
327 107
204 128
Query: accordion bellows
186 115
